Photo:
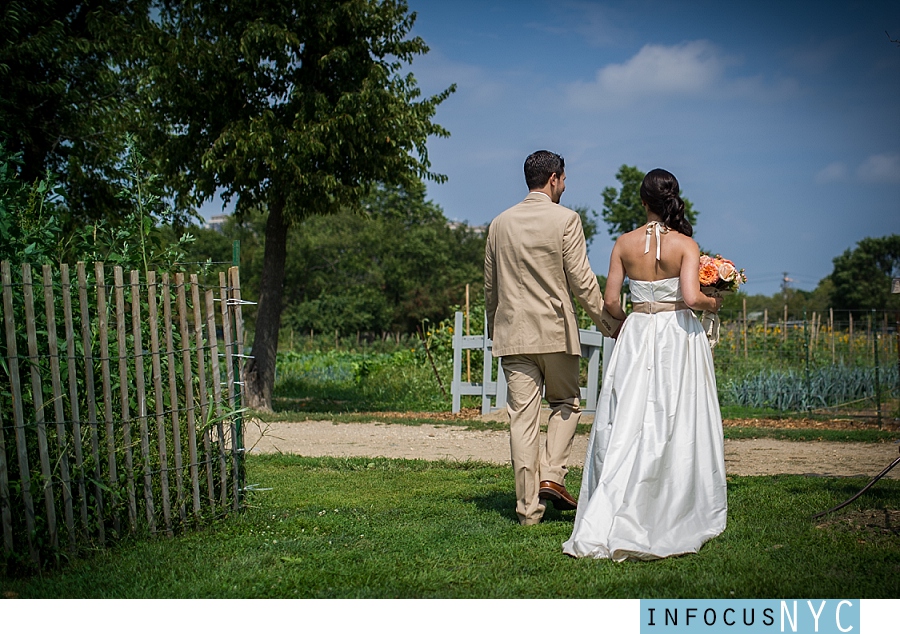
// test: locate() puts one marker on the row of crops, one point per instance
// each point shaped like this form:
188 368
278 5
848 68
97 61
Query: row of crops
830 387
839 362
824 363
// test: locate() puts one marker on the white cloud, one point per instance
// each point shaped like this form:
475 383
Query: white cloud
880 168
832 172
691 68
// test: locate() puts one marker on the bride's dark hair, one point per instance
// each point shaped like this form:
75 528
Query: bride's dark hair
660 191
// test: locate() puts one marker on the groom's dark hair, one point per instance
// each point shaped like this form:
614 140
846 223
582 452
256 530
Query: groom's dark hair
540 166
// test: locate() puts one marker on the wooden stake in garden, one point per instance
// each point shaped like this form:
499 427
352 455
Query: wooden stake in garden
468 352
831 328
868 334
745 327
784 334
816 325
850 336
431 359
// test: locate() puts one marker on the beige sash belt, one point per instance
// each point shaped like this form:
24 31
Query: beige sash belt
651 308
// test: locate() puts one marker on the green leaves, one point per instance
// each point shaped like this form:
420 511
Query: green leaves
300 104
622 209
384 269
63 105
862 276
30 228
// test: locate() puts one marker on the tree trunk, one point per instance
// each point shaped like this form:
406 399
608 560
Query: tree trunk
259 374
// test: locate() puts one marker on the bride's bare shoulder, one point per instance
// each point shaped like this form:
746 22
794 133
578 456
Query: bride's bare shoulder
681 240
632 236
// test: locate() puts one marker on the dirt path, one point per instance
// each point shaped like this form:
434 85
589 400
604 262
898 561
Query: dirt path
446 442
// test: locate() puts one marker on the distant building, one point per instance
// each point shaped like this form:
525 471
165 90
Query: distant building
217 222
476 229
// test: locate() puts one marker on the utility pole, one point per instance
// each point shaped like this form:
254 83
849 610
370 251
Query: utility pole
785 280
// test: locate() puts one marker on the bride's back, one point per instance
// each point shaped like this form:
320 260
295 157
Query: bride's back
644 266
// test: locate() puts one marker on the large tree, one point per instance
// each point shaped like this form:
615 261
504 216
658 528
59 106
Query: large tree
63 106
622 209
862 276
386 269
294 107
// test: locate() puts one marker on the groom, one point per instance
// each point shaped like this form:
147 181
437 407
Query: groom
534 261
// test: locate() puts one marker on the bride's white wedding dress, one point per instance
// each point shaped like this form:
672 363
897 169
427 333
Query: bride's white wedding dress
654 475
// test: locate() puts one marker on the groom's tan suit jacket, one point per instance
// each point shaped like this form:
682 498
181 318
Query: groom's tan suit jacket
535 261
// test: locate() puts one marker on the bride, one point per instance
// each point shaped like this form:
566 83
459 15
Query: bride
654 474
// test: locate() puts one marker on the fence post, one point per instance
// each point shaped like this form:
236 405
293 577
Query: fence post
831 327
897 337
877 374
784 334
235 283
457 362
486 372
806 345
18 412
66 289
5 502
56 383
593 377
188 382
159 407
172 373
144 431
38 401
124 386
91 395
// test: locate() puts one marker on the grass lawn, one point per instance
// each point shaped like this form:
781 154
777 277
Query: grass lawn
353 528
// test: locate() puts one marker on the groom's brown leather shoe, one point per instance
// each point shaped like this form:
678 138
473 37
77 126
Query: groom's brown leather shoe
557 494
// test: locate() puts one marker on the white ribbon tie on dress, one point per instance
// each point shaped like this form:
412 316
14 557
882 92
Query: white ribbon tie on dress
656 228
653 229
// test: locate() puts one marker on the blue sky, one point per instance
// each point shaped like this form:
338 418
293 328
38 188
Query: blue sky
781 120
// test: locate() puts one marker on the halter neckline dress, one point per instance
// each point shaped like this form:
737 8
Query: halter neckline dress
654 474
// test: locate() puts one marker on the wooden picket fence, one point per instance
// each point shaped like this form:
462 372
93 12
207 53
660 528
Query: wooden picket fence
119 406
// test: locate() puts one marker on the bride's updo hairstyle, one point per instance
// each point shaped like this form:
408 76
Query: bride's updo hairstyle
660 191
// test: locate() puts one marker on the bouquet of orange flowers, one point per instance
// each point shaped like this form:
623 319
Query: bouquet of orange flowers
718 277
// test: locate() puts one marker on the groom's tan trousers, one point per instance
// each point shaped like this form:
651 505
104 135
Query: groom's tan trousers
526 376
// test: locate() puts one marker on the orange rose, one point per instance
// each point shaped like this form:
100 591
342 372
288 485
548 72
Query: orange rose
709 274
